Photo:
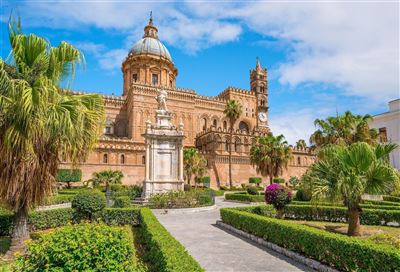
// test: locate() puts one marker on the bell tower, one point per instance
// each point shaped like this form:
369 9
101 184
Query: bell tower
259 85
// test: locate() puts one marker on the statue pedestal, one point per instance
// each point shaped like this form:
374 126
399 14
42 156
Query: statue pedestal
164 156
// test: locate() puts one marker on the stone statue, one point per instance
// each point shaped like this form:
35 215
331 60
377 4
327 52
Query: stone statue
162 100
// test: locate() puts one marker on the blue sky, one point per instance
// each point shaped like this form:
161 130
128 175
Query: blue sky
322 57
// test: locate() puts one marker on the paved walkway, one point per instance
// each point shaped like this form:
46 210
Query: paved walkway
218 250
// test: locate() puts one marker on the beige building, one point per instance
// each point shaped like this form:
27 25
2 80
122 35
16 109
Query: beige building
388 125
148 68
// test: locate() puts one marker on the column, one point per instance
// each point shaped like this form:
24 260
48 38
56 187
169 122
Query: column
180 162
147 162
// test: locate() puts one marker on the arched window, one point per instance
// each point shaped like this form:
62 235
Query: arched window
243 126
215 123
122 159
225 125
298 161
143 159
204 123
105 158
237 146
226 145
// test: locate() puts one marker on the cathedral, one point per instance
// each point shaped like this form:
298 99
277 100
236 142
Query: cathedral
148 68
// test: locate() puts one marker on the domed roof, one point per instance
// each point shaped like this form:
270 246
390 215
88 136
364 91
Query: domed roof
150 45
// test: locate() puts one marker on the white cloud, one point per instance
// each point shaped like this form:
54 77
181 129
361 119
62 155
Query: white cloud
112 59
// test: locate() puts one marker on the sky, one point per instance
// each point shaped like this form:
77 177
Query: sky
323 57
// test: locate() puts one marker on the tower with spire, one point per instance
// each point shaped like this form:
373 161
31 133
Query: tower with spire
259 86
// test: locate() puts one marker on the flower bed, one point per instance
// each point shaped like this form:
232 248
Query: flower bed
339 251
244 197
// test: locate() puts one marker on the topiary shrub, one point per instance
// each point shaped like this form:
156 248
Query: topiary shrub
302 195
88 204
252 190
279 196
69 175
83 247
255 180
122 202
278 180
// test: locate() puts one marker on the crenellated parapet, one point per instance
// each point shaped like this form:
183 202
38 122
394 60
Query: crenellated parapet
233 90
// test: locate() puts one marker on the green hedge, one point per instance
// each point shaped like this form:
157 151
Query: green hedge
339 251
364 206
255 180
121 216
244 197
83 247
339 214
46 219
6 221
381 202
59 199
163 251
69 175
391 198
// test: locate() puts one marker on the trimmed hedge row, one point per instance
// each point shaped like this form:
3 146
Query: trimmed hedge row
59 199
391 198
339 251
244 197
163 252
365 206
381 202
39 220
339 214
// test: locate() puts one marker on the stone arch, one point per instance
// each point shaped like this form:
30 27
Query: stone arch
237 144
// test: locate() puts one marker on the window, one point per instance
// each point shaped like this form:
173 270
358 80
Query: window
122 159
108 130
105 158
154 79
143 159
170 83
215 122
134 77
204 123
226 145
298 161
382 135
243 126
225 125
237 146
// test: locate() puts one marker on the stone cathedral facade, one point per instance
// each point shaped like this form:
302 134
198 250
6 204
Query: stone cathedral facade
149 68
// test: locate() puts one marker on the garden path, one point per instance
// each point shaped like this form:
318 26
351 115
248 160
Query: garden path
219 250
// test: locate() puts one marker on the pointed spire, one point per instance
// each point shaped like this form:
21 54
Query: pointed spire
151 18
258 64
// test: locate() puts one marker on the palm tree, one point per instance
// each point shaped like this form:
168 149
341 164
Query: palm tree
107 178
270 155
194 163
347 172
232 111
344 130
301 144
39 123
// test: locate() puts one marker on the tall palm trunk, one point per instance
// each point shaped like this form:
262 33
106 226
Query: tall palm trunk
19 234
230 156
354 228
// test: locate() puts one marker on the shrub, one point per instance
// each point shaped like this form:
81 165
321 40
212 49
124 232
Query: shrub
121 216
69 175
187 187
181 199
6 221
162 251
381 202
206 180
252 190
278 180
391 198
336 250
302 195
294 181
278 196
244 197
255 180
83 247
46 219
224 188
339 214
88 204
132 191
364 206
58 199
122 202
116 187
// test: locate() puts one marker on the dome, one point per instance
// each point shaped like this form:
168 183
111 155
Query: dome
150 45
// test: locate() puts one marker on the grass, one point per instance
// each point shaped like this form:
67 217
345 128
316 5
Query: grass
377 234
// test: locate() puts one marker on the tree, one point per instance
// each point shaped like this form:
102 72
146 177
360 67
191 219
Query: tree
301 144
107 178
39 123
270 155
232 111
347 172
194 164
344 130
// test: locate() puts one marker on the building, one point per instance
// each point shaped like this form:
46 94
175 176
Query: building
388 126
148 68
